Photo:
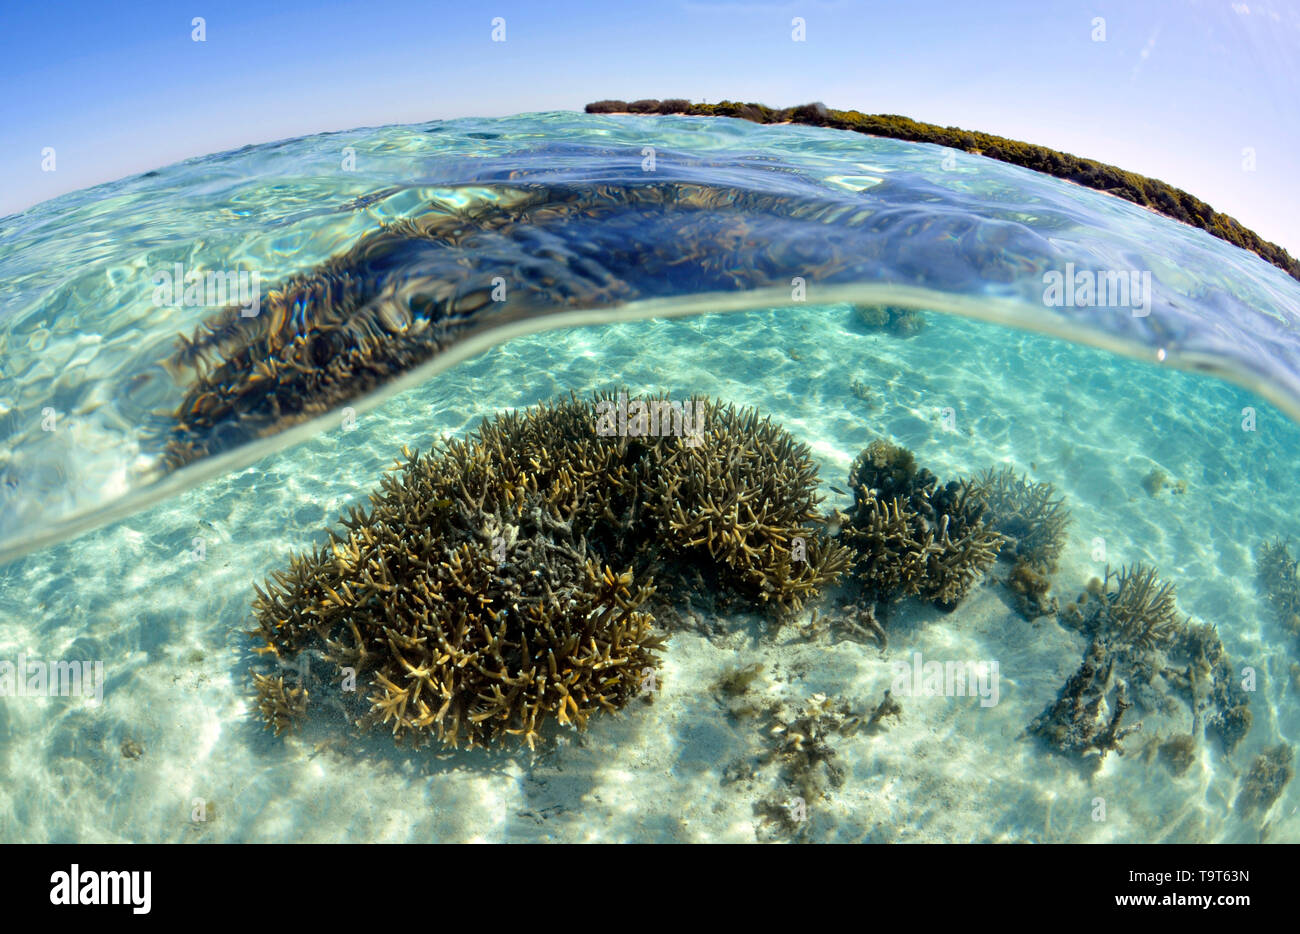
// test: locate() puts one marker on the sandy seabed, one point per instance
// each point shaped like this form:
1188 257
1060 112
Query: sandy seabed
176 736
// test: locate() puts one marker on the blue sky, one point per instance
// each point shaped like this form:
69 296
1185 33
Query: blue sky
1178 89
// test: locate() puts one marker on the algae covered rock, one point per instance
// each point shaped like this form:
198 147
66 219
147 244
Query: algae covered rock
1029 585
1085 719
1269 774
1178 753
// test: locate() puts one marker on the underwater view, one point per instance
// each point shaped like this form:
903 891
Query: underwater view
613 477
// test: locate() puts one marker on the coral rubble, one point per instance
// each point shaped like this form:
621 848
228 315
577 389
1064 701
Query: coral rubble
1084 720
801 741
1166 665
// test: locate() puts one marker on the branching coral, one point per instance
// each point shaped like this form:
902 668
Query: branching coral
497 583
1029 515
910 536
1142 611
1276 576
1132 610
282 708
891 546
1133 615
1131 620
459 644
954 564
744 495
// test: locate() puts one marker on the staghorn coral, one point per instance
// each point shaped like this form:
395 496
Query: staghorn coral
282 708
891 546
960 556
1138 644
1141 607
1276 577
475 599
400 295
744 496
457 643
910 536
478 594
1134 616
1132 610
1029 515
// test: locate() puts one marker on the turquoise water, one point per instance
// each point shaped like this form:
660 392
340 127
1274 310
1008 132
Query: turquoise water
159 582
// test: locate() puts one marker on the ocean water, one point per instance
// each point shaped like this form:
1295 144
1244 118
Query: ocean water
705 258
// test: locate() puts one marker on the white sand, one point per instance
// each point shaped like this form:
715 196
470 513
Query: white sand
169 627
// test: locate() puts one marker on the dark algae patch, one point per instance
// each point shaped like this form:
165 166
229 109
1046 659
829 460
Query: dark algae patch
1147 192
1269 774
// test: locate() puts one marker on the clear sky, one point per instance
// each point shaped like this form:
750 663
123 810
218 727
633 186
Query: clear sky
1177 90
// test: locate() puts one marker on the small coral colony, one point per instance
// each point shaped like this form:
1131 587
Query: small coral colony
531 575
